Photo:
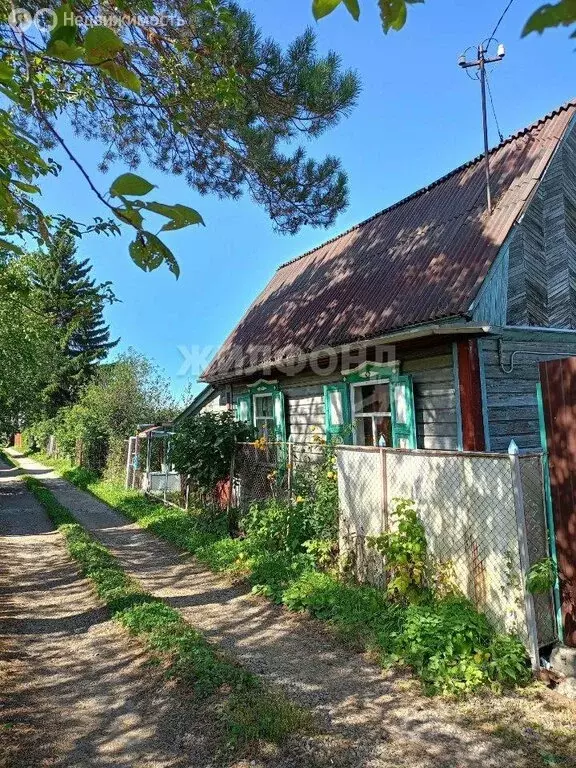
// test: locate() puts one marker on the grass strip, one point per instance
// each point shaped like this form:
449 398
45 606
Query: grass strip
251 711
448 644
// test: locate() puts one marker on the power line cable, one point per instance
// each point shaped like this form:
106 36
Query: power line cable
504 12
494 109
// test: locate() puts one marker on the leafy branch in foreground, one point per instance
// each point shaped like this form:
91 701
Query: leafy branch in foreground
193 89
394 13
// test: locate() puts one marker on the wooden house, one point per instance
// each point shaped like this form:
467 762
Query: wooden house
423 326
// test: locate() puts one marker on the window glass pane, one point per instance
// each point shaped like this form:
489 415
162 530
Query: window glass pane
383 426
265 428
372 398
263 406
336 411
364 434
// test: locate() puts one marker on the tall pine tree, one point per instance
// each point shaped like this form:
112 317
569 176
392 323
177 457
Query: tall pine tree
73 302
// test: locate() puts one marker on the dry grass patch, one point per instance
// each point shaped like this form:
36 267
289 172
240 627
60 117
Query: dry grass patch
540 724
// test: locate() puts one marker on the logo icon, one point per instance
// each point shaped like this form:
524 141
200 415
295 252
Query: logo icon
20 19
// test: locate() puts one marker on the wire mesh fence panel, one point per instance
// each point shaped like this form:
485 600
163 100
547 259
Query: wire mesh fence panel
259 473
467 505
265 470
537 540
363 510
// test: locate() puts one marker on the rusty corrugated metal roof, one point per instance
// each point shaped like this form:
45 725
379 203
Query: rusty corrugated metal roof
420 260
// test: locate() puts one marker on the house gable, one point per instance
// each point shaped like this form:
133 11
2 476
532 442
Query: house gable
423 260
542 251
491 304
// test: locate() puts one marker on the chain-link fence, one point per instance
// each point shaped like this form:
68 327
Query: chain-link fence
90 454
532 479
484 518
264 470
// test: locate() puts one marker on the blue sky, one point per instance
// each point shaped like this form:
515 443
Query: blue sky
417 118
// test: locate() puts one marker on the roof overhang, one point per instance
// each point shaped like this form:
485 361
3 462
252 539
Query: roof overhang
201 399
432 330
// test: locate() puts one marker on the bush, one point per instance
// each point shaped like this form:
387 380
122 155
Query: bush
203 447
271 573
37 435
453 648
456 650
405 553
363 613
276 526
315 488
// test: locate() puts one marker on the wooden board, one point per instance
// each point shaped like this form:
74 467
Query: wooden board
559 399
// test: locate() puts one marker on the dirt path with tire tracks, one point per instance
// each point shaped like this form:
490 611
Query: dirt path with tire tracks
372 720
75 689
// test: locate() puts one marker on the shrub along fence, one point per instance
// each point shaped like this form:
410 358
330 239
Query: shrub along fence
263 470
484 517
91 455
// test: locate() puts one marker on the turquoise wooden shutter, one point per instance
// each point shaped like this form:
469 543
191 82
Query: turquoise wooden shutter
337 418
279 416
403 412
244 408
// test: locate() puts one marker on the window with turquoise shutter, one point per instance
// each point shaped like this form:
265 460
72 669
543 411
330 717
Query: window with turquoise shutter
337 419
382 406
403 412
267 410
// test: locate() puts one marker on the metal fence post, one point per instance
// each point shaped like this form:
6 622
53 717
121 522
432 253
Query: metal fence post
290 459
523 552
384 490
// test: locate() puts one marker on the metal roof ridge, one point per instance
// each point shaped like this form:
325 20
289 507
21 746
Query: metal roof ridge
513 137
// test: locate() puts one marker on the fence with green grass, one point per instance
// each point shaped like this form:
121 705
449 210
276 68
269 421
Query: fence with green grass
484 519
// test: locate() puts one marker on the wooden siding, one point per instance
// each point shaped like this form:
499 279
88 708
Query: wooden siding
511 397
435 401
490 304
542 252
305 409
434 398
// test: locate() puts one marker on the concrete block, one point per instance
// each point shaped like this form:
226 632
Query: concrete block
563 661
567 688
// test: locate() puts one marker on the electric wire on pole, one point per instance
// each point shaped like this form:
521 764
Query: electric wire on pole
500 20
480 65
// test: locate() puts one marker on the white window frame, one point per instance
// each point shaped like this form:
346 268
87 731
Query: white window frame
369 383
256 418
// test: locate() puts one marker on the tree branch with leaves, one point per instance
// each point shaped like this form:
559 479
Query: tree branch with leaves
195 90
394 13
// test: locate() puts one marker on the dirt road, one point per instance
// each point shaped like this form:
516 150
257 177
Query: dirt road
75 689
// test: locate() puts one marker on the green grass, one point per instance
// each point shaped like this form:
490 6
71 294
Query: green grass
449 645
250 712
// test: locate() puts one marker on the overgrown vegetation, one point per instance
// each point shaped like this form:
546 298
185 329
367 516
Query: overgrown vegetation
203 447
542 576
286 551
250 711
121 394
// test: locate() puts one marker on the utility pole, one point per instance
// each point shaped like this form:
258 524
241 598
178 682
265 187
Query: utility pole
480 65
